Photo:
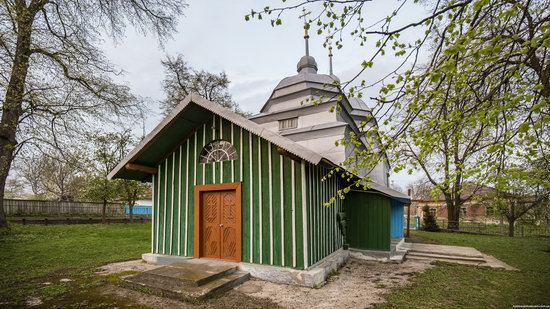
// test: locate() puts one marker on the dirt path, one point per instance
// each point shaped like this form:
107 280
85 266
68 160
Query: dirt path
358 284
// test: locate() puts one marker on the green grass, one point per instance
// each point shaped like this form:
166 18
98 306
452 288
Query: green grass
33 254
461 286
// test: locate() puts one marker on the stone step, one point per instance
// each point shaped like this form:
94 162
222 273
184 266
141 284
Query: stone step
476 259
176 289
398 256
193 275
463 253
444 260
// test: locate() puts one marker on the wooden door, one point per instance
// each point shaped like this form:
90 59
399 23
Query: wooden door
230 226
211 224
220 225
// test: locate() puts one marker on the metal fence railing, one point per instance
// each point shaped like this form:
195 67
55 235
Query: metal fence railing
414 223
521 229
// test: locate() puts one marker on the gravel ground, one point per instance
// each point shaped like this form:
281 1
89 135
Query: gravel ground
359 284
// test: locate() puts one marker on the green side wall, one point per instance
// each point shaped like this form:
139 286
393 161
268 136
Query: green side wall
368 221
324 236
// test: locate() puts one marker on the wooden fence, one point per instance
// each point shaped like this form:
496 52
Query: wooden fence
51 221
57 208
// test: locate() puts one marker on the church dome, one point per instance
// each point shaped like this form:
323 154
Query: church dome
307 64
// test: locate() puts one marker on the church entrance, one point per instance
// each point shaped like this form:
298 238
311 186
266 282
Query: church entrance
218 222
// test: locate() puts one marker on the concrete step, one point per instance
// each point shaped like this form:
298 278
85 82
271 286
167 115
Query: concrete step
476 259
398 256
444 260
223 284
446 250
171 287
193 275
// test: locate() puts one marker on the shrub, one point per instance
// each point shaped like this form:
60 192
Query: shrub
428 220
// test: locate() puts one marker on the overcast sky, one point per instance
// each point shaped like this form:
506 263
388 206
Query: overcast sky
213 35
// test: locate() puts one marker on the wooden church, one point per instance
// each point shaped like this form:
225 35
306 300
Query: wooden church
252 191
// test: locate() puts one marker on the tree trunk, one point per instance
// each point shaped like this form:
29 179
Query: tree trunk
511 216
453 213
131 205
103 211
13 100
511 227
3 219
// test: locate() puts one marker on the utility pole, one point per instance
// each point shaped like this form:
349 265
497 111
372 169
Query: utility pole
408 234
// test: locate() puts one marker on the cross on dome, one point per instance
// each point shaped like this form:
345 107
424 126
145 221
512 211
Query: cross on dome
307 63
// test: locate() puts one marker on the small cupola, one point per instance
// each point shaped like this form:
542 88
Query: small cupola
307 64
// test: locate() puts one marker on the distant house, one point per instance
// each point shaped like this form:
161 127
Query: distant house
475 208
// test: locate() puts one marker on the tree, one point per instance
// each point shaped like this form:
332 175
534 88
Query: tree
55 81
14 188
182 80
523 188
422 189
484 88
102 190
131 191
108 150
447 143
52 176
428 220
540 215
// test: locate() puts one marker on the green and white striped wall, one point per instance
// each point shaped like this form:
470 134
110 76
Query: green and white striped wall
324 236
284 222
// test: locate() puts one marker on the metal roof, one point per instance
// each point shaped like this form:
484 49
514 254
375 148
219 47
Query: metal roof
401 197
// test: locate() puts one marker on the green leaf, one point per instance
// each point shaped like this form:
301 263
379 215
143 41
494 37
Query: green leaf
524 127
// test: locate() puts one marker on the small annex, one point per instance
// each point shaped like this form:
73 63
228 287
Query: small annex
253 190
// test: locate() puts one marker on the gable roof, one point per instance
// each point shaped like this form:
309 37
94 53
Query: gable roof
186 117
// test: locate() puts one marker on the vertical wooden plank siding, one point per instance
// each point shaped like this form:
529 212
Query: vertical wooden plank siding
153 214
277 206
255 222
397 213
163 204
368 221
265 226
324 232
280 199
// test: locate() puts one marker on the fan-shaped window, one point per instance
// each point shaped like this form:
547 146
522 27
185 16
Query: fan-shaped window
218 151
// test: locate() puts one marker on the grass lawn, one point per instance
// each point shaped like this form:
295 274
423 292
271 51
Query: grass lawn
33 254
461 286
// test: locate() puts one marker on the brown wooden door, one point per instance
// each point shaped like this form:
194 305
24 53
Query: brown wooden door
211 225
230 226
220 225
